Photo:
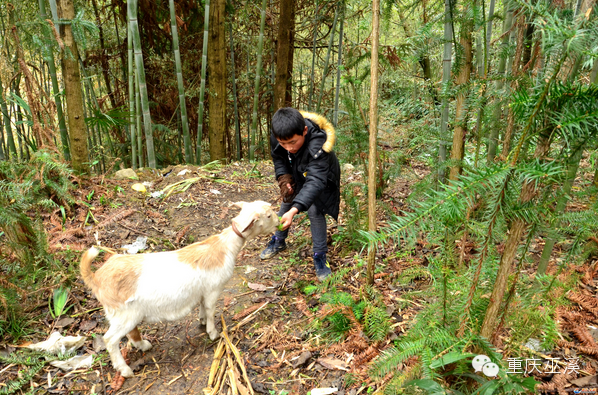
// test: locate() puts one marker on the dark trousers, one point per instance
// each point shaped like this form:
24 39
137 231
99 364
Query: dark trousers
318 227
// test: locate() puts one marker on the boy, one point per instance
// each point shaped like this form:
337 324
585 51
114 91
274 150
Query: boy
308 174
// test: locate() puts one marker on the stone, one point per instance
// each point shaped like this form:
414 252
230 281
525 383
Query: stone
125 174
347 167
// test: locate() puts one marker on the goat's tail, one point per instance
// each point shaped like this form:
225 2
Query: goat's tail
86 267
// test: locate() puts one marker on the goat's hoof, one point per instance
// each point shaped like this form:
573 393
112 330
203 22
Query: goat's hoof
203 320
126 372
213 334
145 345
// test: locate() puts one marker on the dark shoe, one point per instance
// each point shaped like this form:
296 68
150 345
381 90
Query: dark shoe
323 270
275 245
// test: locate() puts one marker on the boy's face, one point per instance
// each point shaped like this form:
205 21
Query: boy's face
295 143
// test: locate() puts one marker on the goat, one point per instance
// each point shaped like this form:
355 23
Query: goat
166 286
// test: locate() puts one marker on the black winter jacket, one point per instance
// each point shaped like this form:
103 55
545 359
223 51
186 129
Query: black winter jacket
315 168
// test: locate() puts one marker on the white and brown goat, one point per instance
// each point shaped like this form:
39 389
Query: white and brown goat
166 286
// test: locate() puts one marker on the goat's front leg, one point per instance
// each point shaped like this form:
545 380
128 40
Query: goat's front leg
112 338
209 302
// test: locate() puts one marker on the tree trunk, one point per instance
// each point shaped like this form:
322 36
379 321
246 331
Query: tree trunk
74 93
217 83
461 111
283 79
517 228
203 82
373 126
518 225
572 168
254 129
447 38
235 106
180 87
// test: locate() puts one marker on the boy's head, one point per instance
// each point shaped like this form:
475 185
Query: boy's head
289 128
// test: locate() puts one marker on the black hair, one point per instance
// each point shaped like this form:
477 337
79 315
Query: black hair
287 122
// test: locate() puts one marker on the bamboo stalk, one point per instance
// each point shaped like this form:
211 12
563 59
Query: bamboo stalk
141 77
339 59
254 129
316 25
132 109
203 82
235 109
12 148
499 85
140 151
62 126
179 72
326 60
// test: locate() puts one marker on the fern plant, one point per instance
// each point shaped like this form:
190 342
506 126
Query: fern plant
344 312
26 189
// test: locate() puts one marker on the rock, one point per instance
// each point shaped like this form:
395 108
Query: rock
303 358
125 174
533 344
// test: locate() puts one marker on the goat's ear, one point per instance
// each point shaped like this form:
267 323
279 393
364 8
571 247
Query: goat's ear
237 204
244 223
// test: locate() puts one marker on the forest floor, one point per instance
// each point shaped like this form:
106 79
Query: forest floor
280 352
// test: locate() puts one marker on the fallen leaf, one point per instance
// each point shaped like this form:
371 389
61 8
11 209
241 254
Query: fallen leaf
323 391
585 381
65 321
99 344
257 287
88 325
333 363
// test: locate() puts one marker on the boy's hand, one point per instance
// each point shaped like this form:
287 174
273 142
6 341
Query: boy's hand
287 218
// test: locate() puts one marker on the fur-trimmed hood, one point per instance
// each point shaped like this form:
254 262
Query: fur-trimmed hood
325 125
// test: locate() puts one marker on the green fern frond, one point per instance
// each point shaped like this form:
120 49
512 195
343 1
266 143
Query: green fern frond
392 357
377 323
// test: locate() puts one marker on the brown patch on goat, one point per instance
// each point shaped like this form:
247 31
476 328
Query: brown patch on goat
117 279
206 255
134 335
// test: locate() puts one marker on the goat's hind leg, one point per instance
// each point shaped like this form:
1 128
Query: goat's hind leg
112 338
202 312
135 338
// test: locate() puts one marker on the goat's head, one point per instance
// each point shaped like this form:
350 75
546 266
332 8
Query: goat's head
256 218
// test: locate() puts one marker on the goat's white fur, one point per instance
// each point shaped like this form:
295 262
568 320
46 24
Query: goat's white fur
166 286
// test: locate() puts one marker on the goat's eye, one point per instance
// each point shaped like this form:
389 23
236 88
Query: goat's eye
268 216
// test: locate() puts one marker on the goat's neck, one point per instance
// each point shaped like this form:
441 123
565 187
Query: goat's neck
235 242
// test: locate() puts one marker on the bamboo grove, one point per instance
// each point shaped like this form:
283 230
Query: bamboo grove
498 98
